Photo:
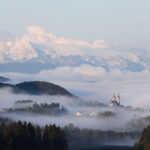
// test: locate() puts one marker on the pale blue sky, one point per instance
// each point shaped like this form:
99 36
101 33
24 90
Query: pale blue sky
126 21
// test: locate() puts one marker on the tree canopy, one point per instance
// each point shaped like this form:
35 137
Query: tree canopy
144 142
25 136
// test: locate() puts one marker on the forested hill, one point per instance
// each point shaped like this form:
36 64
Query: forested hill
37 88
3 79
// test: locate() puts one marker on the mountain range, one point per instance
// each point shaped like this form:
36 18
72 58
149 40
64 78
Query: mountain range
39 50
122 62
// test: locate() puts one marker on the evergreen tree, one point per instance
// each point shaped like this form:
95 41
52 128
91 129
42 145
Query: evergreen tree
25 136
144 143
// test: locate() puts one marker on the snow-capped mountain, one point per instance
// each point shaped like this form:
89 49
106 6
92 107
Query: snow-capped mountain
38 50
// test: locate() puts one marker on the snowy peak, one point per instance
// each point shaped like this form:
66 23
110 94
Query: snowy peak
50 51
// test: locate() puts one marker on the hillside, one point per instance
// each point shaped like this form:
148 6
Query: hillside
3 79
37 88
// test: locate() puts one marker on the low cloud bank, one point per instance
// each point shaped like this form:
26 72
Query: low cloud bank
96 83
94 117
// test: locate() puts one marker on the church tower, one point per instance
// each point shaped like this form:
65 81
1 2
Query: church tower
114 98
118 99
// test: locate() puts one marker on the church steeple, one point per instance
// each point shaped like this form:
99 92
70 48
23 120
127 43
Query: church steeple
115 101
114 98
118 99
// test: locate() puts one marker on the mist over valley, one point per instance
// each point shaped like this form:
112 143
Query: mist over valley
72 113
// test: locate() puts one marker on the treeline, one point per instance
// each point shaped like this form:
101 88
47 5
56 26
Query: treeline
102 147
15 134
144 142
90 136
4 120
25 136
53 109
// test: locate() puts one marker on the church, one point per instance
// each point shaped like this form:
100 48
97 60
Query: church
115 101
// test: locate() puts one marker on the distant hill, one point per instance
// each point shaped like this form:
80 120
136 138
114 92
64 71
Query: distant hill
3 79
37 88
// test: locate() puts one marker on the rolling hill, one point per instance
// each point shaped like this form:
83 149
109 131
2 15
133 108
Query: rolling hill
3 79
37 88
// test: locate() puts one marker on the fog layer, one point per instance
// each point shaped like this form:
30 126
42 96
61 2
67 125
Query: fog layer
79 113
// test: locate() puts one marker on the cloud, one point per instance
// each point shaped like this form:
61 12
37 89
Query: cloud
96 82
80 43
35 30
90 71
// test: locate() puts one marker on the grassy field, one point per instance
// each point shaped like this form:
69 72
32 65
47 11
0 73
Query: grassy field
97 147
